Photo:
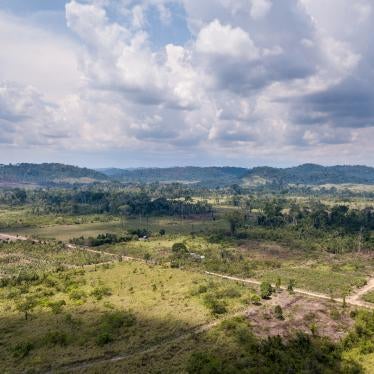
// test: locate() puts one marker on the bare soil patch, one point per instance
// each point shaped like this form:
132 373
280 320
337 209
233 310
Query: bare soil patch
322 317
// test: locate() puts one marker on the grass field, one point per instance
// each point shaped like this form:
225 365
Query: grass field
369 297
119 308
27 257
154 224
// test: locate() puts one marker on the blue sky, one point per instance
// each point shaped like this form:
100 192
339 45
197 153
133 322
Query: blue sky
131 83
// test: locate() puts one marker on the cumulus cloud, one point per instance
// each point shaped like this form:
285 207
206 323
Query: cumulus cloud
33 56
256 78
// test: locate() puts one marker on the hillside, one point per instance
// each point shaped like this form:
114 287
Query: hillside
47 174
190 174
311 174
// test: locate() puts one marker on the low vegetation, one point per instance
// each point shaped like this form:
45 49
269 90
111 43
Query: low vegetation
104 270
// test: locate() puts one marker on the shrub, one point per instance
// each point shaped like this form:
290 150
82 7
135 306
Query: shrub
110 323
22 349
203 363
77 294
56 306
26 306
291 285
230 293
202 289
278 312
179 248
99 292
266 290
255 299
174 264
103 338
56 338
215 306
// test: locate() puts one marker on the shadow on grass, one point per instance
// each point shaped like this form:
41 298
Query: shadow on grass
121 342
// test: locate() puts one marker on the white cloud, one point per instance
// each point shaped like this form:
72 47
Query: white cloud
224 40
258 78
259 8
32 56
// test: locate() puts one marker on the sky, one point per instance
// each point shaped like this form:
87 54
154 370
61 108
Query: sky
136 83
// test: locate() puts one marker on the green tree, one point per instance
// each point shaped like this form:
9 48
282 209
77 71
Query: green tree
291 285
235 220
179 248
266 290
26 306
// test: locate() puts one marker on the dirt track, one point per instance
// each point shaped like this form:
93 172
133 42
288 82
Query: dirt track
11 237
353 300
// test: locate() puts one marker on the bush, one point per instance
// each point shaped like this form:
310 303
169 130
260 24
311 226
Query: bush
103 338
203 363
266 290
215 306
231 293
278 312
291 285
255 299
56 307
22 349
56 338
110 323
77 294
99 292
202 289
179 248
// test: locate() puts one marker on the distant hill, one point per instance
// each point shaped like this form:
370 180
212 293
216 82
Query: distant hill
189 175
311 174
47 174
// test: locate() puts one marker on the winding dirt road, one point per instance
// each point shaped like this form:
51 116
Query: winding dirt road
11 237
353 300
356 297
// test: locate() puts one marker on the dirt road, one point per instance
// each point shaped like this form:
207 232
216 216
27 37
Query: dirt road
354 300
356 297
11 237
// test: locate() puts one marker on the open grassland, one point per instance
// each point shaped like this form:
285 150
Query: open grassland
66 231
318 280
28 257
23 218
84 314
335 275
369 297
232 346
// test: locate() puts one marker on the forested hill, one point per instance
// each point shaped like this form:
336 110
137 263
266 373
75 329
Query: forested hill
47 173
311 174
308 174
189 174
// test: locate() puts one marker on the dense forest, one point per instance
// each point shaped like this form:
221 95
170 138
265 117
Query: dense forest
208 177
47 173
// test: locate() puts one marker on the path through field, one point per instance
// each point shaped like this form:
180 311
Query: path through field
85 364
356 297
353 300
11 237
